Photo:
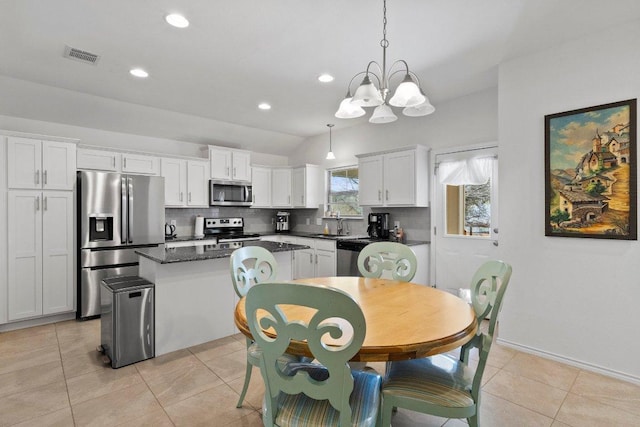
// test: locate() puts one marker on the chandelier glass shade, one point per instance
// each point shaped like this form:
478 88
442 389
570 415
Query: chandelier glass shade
408 95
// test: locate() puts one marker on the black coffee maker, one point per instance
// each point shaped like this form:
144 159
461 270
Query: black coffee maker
378 226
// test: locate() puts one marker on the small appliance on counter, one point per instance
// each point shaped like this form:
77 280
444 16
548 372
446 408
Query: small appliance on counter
378 227
282 222
198 231
169 231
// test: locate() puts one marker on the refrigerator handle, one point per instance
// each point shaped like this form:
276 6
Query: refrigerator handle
124 227
130 219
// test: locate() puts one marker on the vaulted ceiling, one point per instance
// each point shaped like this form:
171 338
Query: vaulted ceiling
206 80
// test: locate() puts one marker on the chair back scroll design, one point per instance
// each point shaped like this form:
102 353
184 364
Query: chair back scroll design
264 269
396 257
488 286
329 309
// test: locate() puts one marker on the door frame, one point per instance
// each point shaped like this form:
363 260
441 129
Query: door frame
434 183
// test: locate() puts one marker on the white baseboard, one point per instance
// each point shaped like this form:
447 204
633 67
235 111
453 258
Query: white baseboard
569 361
37 322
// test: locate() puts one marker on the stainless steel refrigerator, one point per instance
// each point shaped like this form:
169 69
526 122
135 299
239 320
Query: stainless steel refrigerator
117 213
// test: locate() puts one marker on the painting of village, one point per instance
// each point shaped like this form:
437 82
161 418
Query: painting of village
591 172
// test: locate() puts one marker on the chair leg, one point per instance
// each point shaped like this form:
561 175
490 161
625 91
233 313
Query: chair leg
386 408
247 379
473 421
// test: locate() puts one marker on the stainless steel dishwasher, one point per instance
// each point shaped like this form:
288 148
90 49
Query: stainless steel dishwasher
127 320
348 251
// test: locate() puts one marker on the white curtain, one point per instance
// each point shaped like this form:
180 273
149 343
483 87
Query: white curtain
475 171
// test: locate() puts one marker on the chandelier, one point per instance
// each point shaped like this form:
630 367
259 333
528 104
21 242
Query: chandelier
408 95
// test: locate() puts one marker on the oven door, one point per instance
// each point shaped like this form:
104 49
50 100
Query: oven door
227 193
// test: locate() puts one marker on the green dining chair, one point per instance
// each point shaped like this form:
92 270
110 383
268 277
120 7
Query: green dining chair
251 265
443 385
377 257
331 394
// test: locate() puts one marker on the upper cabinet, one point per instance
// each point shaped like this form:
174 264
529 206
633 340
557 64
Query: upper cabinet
38 164
261 187
306 186
140 164
281 187
394 178
100 160
230 164
185 182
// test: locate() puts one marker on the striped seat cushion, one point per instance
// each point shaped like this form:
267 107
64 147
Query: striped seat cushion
439 380
301 411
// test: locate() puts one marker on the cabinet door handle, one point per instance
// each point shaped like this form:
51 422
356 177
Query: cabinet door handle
125 163
181 196
380 195
38 176
189 196
37 203
316 258
44 177
234 172
387 191
227 171
302 199
113 160
44 203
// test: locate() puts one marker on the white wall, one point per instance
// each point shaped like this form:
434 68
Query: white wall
462 121
123 141
576 299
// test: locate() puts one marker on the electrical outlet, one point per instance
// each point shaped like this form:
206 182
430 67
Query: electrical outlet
308 221
172 222
318 221
396 224
273 221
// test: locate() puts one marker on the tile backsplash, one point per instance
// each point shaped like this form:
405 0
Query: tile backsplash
414 221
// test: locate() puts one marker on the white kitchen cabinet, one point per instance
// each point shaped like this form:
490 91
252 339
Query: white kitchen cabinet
230 164
394 178
325 250
38 164
186 182
261 187
317 261
40 253
304 264
140 164
100 160
307 188
281 187
174 172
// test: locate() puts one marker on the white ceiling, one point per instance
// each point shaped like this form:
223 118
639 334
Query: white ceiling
206 81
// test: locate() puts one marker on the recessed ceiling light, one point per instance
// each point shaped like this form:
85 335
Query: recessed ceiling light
139 72
177 20
264 106
325 78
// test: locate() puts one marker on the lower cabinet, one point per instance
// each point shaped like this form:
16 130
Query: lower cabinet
317 261
40 253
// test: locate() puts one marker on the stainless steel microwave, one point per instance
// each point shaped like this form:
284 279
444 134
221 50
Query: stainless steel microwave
230 193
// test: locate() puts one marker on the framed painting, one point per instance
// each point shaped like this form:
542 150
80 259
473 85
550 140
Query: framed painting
590 172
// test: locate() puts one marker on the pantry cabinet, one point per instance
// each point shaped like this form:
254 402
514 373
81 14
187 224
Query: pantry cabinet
40 253
394 178
230 164
185 182
40 164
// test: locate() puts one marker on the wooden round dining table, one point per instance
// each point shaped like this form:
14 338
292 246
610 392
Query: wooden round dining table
404 320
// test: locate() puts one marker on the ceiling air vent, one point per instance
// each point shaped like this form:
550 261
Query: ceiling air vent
80 55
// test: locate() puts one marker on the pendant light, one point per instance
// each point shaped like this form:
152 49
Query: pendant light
408 95
330 155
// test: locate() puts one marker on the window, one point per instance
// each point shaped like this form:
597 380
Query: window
342 194
469 209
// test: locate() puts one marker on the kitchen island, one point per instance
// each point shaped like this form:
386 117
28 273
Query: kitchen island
194 296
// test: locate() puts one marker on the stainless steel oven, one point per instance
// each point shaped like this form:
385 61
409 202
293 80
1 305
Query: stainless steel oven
230 193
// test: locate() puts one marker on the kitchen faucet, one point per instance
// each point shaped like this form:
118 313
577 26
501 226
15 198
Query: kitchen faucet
340 228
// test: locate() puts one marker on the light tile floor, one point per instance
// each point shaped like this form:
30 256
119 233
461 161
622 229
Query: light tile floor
52 376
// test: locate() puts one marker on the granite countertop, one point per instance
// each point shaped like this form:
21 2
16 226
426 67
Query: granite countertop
343 237
164 255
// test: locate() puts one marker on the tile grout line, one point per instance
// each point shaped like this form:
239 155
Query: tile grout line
64 375
154 395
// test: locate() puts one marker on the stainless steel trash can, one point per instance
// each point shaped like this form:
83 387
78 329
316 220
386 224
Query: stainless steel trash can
127 320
